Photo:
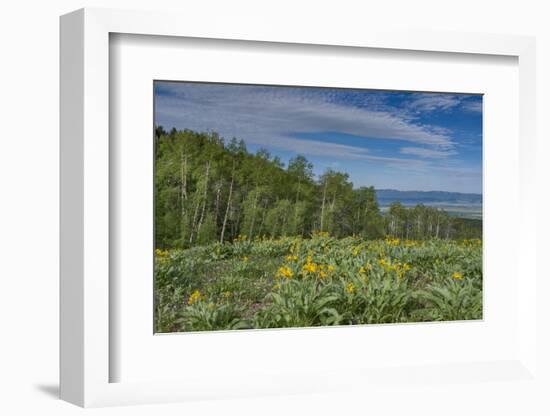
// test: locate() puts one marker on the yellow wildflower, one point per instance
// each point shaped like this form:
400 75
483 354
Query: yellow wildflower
362 270
276 286
458 276
322 275
195 296
285 271
309 266
330 267
161 253
227 294
245 259
350 288
241 237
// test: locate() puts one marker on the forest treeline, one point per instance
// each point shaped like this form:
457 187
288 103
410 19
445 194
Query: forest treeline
210 190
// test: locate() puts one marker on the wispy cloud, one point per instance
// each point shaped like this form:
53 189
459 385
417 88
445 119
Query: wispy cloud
319 148
339 151
434 102
266 115
474 106
426 153
377 137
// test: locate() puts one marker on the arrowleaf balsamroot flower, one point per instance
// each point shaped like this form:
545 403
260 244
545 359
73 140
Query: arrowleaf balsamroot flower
161 253
195 296
458 276
285 271
309 266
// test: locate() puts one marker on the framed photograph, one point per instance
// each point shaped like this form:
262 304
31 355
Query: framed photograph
280 212
282 207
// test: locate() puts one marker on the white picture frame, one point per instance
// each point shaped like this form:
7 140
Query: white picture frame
85 350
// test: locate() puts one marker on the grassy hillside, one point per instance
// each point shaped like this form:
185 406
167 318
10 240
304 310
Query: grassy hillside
299 282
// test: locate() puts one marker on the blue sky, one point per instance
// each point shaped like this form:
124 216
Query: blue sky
389 139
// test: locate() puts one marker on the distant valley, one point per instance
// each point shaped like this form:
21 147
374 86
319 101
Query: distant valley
457 204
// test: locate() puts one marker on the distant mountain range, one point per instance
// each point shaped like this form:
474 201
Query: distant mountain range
387 196
455 203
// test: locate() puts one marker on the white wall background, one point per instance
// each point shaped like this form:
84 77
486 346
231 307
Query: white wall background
29 183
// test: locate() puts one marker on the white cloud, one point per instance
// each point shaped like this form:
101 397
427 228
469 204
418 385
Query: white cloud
434 102
473 106
430 102
426 153
272 116
319 148
287 119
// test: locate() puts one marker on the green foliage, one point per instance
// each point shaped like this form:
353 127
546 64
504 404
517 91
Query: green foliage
202 316
322 280
424 222
245 242
207 232
208 190
378 300
299 304
450 302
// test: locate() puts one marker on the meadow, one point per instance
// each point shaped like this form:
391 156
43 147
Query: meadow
247 241
320 280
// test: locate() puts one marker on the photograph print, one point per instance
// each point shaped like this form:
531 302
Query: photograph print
288 206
